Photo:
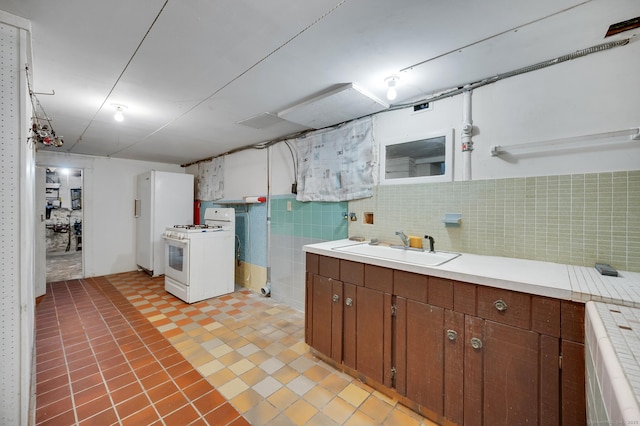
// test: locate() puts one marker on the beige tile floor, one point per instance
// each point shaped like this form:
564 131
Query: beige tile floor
252 350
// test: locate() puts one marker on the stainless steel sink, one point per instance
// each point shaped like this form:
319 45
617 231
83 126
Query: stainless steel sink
415 257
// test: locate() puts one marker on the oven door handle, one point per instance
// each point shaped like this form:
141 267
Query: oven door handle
175 240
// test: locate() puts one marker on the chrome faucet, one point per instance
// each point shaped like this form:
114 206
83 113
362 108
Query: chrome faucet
403 237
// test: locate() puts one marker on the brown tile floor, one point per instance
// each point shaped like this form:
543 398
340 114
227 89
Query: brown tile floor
117 355
99 361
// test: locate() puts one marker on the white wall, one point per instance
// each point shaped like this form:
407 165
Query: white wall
282 174
109 188
590 95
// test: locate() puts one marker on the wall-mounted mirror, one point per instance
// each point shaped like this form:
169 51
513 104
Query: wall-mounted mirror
417 159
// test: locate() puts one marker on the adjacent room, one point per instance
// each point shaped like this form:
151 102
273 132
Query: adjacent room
63 223
320 213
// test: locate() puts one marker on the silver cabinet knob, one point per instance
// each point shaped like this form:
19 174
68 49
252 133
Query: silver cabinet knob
336 298
452 335
500 305
476 343
349 301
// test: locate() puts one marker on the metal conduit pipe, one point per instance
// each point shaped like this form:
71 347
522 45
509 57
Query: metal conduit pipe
467 133
575 55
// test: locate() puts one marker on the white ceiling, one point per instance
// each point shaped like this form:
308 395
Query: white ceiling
190 70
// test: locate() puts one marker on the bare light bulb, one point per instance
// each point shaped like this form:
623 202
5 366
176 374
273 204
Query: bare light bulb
392 93
118 116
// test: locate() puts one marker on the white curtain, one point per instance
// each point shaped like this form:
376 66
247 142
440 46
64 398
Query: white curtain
337 164
210 179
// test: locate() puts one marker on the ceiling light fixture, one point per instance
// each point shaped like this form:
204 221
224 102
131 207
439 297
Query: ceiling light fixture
391 81
119 115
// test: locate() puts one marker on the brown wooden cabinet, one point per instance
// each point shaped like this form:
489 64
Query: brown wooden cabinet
370 333
457 352
346 317
423 349
511 375
326 314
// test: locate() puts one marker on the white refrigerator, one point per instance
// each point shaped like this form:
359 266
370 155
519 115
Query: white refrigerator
162 199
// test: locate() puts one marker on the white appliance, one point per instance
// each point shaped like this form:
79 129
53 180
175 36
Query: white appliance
162 199
199 261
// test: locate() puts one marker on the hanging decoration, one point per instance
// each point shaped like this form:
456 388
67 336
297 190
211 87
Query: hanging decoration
41 127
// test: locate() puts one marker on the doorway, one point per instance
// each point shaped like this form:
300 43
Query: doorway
63 224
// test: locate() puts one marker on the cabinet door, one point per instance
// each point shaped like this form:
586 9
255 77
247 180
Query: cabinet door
573 388
370 333
454 366
326 316
308 309
336 320
511 375
473 372
350 317
425 355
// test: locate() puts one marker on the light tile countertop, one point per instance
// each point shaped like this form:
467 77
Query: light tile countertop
568 282
613 340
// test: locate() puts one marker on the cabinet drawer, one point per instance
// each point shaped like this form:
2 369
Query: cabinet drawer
572 321
378 278
504 306
441 292
352 272
329 267
410 285
312 263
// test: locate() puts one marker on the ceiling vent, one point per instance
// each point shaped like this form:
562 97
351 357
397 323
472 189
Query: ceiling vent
343 103
261 121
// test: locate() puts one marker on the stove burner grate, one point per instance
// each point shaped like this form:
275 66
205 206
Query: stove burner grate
205 226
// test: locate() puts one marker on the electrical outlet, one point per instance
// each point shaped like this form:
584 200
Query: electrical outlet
288 206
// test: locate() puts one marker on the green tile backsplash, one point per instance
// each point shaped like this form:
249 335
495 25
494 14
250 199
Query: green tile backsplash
575 219
317 220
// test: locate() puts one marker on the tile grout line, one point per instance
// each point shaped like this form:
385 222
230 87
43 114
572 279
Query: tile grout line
129 292
113 404
138 380
66 366
64 352
165 369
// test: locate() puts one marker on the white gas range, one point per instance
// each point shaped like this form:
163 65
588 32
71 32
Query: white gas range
199 261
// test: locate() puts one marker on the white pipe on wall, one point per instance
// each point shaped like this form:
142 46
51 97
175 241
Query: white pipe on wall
467 133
